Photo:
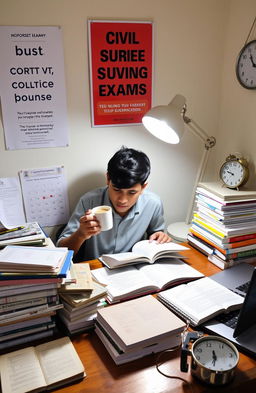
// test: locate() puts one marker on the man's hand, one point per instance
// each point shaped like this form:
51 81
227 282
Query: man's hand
160 237
89 225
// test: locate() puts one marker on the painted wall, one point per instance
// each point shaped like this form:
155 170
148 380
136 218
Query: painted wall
192 56
237 126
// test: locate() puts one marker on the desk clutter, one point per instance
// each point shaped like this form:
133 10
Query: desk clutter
224 224
44 294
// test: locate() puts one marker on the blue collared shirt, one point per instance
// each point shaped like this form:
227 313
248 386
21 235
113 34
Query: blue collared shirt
144 218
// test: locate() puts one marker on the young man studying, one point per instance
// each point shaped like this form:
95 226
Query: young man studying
137 212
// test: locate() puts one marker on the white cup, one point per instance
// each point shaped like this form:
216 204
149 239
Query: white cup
104 216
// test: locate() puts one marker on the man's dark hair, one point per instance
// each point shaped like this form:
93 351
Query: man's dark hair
128 167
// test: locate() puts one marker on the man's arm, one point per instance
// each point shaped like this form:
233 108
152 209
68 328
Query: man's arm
88 227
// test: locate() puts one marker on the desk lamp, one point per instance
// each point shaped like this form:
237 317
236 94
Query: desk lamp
167 122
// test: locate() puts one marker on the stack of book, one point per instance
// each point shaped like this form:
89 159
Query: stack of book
224 224
81 300
29 234
137 328
29 281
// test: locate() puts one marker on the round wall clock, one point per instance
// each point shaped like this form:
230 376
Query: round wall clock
246 65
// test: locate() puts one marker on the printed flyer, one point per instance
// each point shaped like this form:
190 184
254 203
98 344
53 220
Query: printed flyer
32 87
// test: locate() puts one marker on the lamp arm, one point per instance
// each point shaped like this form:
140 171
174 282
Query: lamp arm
209 142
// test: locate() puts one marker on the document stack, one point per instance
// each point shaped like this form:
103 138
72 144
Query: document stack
137 328
29 234
80 300
29 280
224 224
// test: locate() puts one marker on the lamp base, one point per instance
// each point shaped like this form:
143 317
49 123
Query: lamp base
178 231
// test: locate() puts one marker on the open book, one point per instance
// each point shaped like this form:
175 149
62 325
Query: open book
143 251
200 300
44 367
133 281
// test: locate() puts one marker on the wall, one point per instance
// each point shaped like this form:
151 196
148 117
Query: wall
189 44
237 127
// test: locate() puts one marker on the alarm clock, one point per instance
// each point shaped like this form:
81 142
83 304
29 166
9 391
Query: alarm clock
234 172
213 359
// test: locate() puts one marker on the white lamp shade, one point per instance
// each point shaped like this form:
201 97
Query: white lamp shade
165 122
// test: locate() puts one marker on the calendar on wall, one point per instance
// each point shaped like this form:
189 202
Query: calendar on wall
45 195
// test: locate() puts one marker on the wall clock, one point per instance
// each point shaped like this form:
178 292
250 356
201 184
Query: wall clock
246 66
246 63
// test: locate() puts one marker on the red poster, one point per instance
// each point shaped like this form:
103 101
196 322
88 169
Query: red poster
121 67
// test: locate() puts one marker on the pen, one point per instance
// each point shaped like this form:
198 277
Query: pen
2 232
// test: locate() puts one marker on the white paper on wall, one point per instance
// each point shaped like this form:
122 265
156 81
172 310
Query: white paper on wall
32 87
11 205
45 195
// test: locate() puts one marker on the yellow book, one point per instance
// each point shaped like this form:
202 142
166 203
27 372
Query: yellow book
209 227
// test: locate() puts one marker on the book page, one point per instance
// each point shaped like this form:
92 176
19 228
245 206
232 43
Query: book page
122 281
150 249
121 257
59 360
21 371
200 299
162 273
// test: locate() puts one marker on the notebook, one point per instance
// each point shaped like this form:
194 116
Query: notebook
238 326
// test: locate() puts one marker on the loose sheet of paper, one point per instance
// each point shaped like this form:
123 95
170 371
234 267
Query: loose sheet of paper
45 195
11 205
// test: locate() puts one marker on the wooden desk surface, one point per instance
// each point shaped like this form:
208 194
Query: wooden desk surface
141 376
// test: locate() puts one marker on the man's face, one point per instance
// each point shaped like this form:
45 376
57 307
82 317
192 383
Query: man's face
123 199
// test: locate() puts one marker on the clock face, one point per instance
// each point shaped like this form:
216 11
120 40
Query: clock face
215 354
246 66
233 174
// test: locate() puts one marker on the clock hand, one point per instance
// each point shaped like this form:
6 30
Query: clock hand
230 173
214 358
251 58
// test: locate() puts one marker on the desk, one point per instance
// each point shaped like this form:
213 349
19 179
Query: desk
141 376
